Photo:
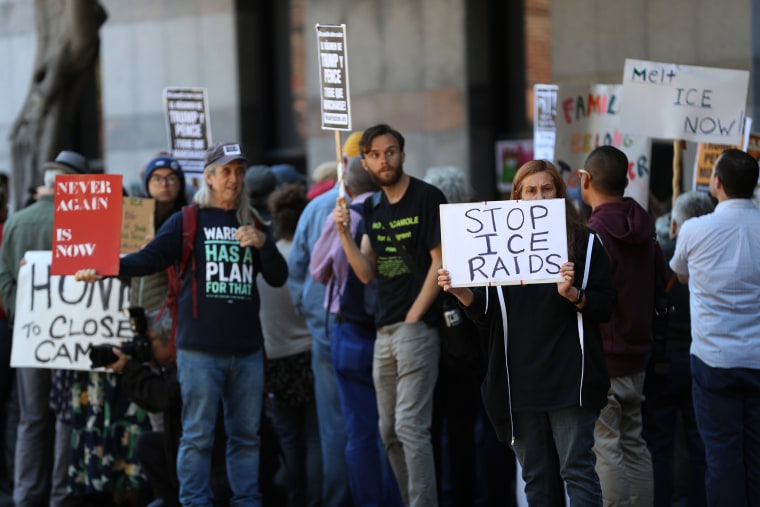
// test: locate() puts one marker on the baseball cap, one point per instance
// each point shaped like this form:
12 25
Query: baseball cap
223 153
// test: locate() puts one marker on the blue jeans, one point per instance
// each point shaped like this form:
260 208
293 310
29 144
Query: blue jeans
404 369
556 446
238 382
727 406
369 472
298 432
332 428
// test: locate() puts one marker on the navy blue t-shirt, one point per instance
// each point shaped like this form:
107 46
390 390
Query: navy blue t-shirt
228 302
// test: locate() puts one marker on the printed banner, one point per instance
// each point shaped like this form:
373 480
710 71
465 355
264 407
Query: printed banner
504 242
544 121
671 101
229 267
188 126
335 100
510 155
87 223
58 319
589 116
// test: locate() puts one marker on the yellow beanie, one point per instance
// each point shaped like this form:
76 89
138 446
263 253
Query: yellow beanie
351 146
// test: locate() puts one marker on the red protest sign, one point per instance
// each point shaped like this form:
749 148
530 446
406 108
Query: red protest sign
87 223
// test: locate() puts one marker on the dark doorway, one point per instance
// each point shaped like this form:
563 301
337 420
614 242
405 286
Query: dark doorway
268 121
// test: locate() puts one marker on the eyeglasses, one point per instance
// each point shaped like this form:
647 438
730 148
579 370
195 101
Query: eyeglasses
170 180
583 171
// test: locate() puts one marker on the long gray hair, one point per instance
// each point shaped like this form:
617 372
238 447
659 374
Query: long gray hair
203 198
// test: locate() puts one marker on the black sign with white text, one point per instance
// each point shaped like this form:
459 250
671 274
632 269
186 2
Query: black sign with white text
188 126
335 102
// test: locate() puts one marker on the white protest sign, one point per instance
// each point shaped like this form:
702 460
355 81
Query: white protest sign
504 242
335 100
58 319
700 104
188 126
589 116
544 121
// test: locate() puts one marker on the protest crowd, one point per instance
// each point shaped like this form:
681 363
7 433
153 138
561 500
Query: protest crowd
300 342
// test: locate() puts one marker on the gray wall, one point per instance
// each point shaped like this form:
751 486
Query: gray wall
407 64
406 68
17 46
147 45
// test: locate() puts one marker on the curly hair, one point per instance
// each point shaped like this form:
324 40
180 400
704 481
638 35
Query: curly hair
286 205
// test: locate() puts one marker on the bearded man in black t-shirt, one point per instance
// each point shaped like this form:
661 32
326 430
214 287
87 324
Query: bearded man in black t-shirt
401 247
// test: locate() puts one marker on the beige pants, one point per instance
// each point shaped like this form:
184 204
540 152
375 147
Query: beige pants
404 370
623 461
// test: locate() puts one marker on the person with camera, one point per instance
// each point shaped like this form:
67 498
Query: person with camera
151 383
153 386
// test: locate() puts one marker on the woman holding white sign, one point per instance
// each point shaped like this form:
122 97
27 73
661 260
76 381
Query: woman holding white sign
546 378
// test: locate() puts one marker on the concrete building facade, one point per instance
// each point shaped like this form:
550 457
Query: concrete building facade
453 76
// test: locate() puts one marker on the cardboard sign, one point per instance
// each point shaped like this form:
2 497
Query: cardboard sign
137 223
188 126
589 116
708 153
58 319
544 121
671 101
87 223
504 242
335 100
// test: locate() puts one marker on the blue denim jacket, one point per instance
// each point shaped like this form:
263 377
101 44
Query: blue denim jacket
308 294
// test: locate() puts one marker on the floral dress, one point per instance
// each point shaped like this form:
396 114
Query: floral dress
105 426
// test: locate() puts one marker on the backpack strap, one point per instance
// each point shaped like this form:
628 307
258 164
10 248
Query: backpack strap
189 226
177 272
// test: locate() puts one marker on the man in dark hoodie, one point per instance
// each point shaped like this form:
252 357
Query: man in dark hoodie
623 462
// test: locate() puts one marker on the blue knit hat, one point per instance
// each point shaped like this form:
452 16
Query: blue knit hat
287 173
164 162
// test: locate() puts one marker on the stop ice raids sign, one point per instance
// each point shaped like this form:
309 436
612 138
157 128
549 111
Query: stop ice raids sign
504 242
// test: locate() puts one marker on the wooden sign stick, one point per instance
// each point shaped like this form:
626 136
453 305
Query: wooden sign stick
339 158
678 146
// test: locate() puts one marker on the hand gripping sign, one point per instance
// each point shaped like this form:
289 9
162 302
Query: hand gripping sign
58 320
